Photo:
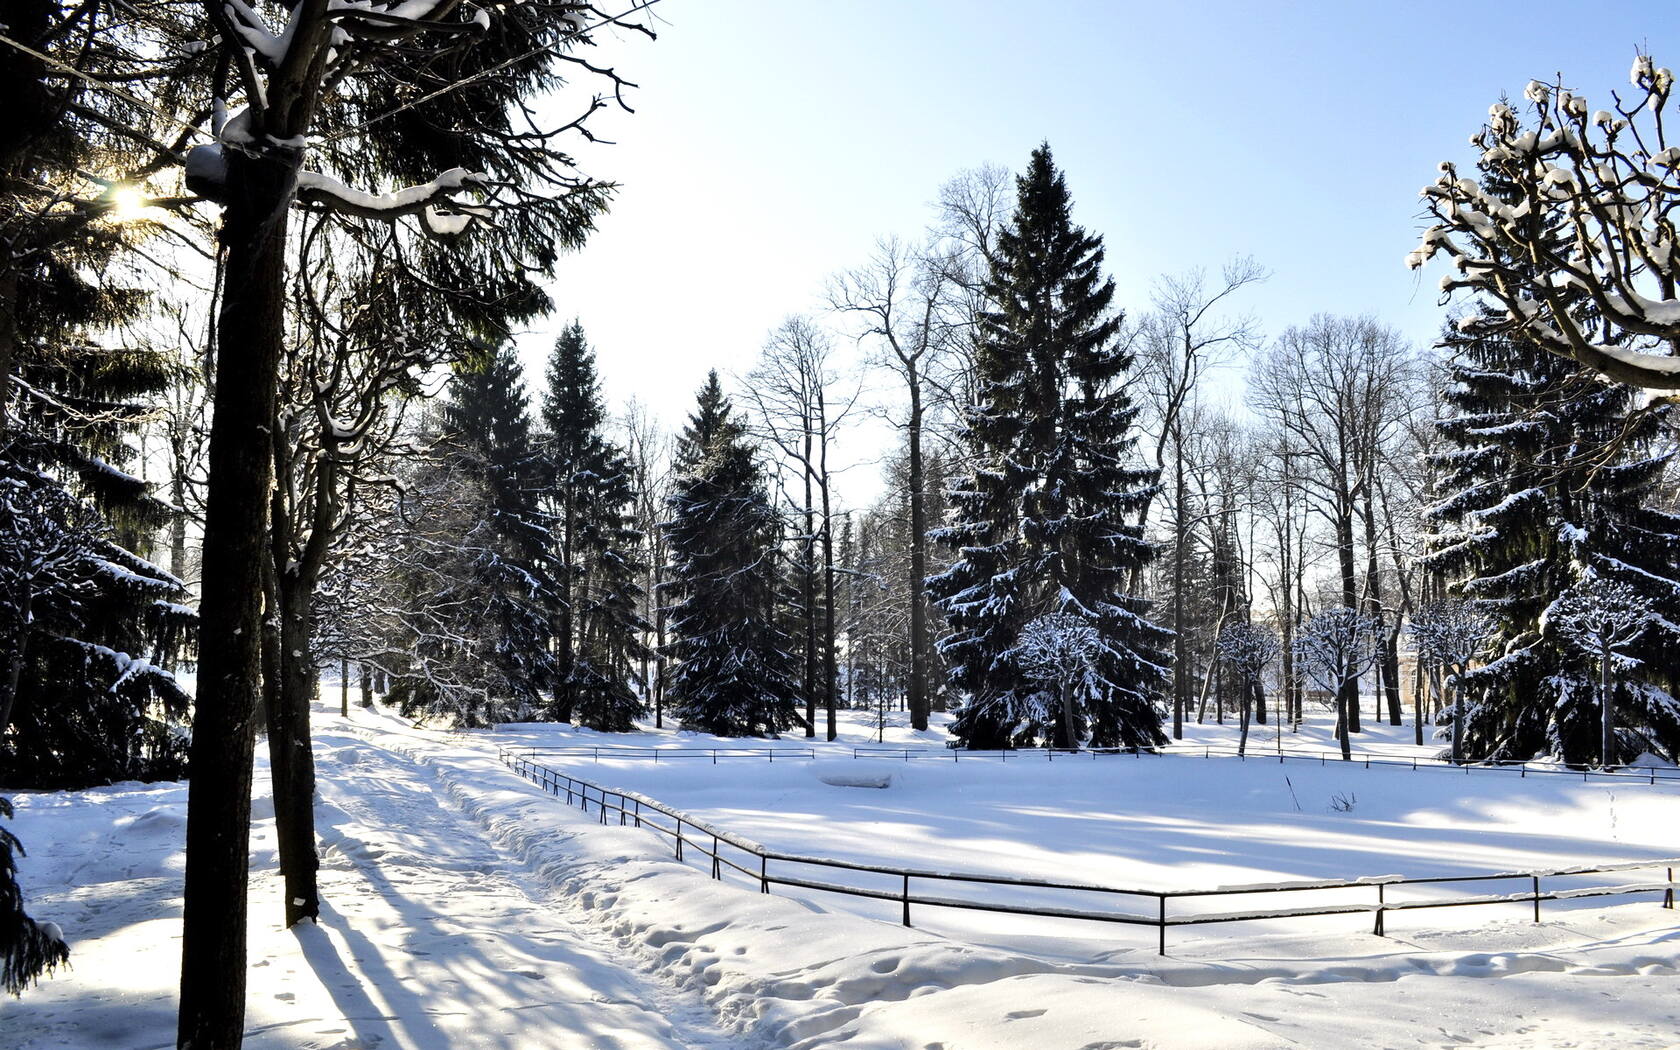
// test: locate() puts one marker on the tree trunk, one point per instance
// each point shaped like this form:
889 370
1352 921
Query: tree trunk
344 687
918 692
1181 653
1458 718
1348 693
830 665
1069 740
19 647
212 997
1245 692
367 686
291 755
1607 747
808 589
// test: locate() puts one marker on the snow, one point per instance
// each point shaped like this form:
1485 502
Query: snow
467 909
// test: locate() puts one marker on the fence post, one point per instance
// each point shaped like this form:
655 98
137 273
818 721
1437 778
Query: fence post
679 838
1380 902
907 900
763 873
1537 897
638 813
1161 923
716 874
603 810
1668 896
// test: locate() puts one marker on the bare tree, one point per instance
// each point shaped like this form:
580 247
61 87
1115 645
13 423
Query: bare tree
908 303
1604 618
1335 648
1333 388
1061 650
1586 205
1249 648
1187 333
1451 633
800 407
648 451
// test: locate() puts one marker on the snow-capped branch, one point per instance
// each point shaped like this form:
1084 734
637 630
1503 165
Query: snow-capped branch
436 202
1578 205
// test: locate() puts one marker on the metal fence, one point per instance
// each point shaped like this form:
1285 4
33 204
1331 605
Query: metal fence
1162 909
1650 775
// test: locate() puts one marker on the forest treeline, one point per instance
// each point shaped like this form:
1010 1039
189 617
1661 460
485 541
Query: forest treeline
260 416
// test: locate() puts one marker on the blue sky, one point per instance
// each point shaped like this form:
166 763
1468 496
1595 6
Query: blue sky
775 141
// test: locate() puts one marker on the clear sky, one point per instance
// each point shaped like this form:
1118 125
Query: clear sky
775 140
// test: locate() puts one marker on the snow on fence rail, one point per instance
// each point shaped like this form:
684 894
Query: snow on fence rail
1647 775
753 860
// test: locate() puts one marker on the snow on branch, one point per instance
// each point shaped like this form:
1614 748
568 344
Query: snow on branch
1576 205
435 201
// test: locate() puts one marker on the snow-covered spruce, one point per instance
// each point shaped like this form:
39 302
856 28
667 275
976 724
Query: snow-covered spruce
1044 523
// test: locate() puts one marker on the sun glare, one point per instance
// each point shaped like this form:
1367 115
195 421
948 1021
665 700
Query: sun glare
127 203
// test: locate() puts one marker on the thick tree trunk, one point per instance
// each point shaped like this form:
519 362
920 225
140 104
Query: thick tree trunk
367 686
918 692
1246 692
343 687
212 1000
292 756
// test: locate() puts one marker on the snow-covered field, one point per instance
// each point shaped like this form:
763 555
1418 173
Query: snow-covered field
468 910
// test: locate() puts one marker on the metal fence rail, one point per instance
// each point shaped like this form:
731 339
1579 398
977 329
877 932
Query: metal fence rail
1650 775
735 853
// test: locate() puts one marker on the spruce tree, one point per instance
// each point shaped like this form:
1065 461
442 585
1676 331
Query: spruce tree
1550 484
86 694
1041 525
595 548
733 674
484 574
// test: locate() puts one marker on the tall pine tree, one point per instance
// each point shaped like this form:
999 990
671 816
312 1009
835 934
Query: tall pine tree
734 669
1549 485
1041 526
88 626
481 583
595 548
1533 510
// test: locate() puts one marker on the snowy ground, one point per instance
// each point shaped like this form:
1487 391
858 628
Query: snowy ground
467 910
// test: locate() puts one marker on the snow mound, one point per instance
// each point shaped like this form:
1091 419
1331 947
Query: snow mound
853 773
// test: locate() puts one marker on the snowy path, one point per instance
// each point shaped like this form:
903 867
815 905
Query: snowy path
476 951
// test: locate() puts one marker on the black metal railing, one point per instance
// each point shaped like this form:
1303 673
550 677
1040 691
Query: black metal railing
1651 775
727 851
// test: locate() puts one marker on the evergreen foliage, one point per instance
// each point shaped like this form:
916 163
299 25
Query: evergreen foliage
734 669
27 948
1042 524
1548 484
595 549
1550 481
88 626
477 593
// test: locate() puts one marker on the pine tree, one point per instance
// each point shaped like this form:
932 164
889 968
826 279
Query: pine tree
480 562
733 673
1041 525
595 549
1533 514
86 696
1549 485
27 948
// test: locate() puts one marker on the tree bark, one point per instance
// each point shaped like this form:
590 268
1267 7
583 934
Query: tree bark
1607 746
291 755
212 998
918 692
